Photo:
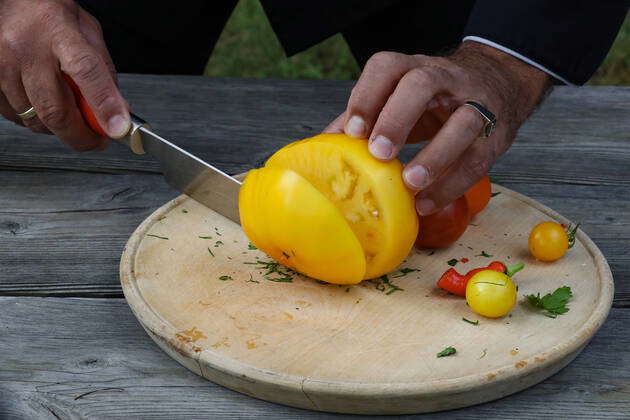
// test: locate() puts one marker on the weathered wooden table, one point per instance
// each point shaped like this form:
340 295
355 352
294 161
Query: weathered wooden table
71 348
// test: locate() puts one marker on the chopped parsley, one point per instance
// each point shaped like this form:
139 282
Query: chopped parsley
554 303
449 351
452 262
184 211
217 244
224 278
250 246
216 230
484 254
157 236
204 237
404 271
383 284
272 268
210 251
470 322
495 194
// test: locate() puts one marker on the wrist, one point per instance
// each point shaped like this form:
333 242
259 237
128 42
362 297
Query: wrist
522 82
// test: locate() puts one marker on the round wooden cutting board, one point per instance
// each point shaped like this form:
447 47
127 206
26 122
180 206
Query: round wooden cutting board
187 274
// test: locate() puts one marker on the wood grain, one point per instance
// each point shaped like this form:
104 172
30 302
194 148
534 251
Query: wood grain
187 274
109 368
572 156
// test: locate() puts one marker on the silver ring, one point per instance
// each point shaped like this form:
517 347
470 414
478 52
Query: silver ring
28 114
489 118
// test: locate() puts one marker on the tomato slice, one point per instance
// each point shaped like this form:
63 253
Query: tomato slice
368 193
284 215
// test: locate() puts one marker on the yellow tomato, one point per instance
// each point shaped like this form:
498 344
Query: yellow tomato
548 241
325 207
490 293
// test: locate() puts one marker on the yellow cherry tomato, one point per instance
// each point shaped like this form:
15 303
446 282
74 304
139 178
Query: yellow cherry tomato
490 293
548 241
325 207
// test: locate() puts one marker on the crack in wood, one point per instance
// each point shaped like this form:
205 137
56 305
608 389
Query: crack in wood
78 397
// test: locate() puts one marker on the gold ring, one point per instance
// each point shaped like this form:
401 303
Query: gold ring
28 114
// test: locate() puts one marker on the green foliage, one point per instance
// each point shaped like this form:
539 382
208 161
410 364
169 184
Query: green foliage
248 47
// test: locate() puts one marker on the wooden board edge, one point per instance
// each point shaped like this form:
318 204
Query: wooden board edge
226 372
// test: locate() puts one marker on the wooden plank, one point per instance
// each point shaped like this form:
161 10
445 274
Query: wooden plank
235 123
62 233
89 358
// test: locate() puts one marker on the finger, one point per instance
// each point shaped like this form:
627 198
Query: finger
457 134
7 111
93 33
13 90
425 129
83 63
458 178
56 107
376 83
336 126
404 107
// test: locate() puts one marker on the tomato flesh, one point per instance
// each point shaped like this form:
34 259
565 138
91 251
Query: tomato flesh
370 201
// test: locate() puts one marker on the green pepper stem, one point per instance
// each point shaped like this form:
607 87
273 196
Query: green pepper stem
510 271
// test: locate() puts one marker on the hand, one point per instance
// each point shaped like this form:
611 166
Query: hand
408 98
40 39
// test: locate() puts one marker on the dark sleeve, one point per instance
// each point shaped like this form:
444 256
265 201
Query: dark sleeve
568 38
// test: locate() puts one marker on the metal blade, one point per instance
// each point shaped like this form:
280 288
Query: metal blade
189 174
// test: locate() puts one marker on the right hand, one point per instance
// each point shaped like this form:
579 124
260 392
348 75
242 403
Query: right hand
40 39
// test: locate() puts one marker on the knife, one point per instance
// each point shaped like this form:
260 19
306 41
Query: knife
182 170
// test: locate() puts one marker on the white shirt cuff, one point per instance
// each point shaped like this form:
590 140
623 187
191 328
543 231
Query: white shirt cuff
517 55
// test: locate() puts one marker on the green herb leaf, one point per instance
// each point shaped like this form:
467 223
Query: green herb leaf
554 303
204 237
404 272
383 284
251 279
217 244
484 254
210 251
571 234
452 262
470 322
216 230
184 211
250 246
447 352
157 236
495 194
224 278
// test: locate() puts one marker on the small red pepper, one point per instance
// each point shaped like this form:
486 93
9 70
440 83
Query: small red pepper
453 282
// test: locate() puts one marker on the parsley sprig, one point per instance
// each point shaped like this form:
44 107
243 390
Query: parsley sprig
554 303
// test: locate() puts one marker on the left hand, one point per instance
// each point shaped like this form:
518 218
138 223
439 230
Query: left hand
409 98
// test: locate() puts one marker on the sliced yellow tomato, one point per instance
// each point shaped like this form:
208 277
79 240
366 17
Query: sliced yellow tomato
369 197
297 226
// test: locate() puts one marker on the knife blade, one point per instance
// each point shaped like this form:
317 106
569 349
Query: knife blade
181 169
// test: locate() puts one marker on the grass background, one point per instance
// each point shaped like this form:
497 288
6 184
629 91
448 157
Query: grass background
249 48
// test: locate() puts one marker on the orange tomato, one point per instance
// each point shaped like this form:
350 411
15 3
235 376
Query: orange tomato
478 195
548 241
444 227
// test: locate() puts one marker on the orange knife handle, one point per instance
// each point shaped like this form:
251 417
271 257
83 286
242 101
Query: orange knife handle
133 139
86 111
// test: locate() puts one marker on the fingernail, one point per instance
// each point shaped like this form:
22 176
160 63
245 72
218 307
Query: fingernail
355 127
425 206
118 126
416 177
381 147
